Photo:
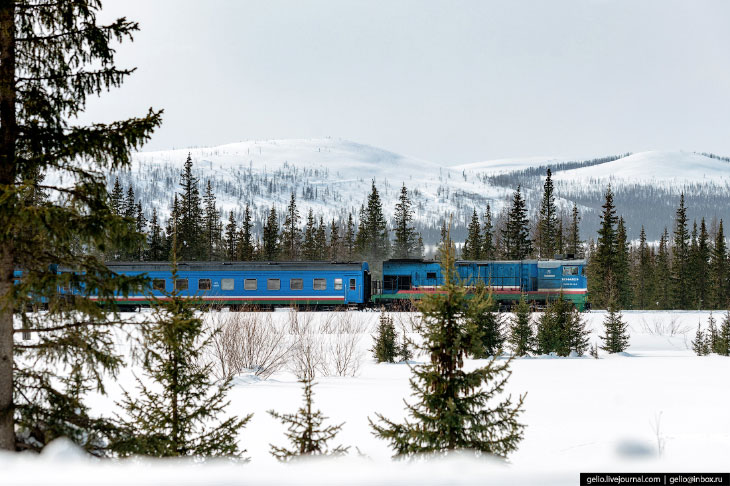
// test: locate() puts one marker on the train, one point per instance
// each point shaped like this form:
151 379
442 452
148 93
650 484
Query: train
328 285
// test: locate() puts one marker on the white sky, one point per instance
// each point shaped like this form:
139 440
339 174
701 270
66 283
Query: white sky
448 81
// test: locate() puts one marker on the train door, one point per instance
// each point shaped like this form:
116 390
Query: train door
352 289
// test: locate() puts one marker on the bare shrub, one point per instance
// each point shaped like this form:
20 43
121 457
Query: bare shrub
247 342
343 346
308 354
664 326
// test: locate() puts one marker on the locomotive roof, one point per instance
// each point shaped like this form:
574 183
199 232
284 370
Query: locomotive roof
541 263
235 266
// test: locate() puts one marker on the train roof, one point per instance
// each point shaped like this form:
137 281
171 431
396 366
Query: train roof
236 266
540 263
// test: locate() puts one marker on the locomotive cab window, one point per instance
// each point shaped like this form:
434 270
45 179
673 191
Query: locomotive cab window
181 284
250 284
353 285
570 270
338 284
296 284
273 284
158 284
431 275
204 284
319 284
226 284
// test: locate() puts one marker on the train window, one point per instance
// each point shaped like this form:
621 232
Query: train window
204 284
158 284
296 284
319 284
226 284
273 284
181 284
570 270
250 284
390 282
431 275
338 284
352 284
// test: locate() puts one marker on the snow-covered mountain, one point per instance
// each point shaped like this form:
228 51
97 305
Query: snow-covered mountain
333 178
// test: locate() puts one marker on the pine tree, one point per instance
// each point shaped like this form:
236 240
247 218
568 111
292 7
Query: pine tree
245 248
521 334
575 245
602 264
487 325
179 415
385 347
335 243
680 260
405 244
270 245
309 245
231 237
305 431
516 233
718 272
622 266
291 235
190 233
547 223
453 409
473 245
488 249
616 337
55 55
350 238
156 241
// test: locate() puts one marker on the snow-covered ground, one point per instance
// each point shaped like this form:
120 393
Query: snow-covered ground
658 407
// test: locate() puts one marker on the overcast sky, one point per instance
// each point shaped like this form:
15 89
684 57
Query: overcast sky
448 81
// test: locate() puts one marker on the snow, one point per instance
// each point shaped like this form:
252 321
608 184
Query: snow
501 166
582 415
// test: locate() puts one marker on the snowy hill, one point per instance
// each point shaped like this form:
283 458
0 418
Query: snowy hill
333 178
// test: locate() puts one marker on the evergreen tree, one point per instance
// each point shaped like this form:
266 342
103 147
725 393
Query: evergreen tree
622 267
117 199
473 245
662 274
173 224
404 349
245 248
140 227
616 337
487 325
699 344
156 241
320 240
309 245
602 264
724 336
189 231
521 334
718 271
335 244
291 235
680 260
270 246
643 280
54 55
702 268
453 409
350 238
547 223
516 233
231 237
575 245
372 237
488 249
561 330
179 415
305 431
712 336
385 347
211 227
405 244
129 205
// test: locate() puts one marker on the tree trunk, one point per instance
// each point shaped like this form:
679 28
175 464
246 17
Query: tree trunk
8 134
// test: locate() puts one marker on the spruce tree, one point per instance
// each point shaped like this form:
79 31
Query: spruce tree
335 243
702 267
245 247
404 349
291 235
156 250
516 233
211 224
190 229
602 264
349 241
561 330
621 273
616 335
305 431
372 238
521 334
680 260
699 344
718 272
405 244
575 245
129 206
309 245
270 243
643 280
179 404
547 223
454 408
724 336
488 250
320 241
662 274
140 227
54 55
712 336
487 325
473 245
231 237
117 199
385 347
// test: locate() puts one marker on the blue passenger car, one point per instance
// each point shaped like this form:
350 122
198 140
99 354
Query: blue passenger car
265 284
